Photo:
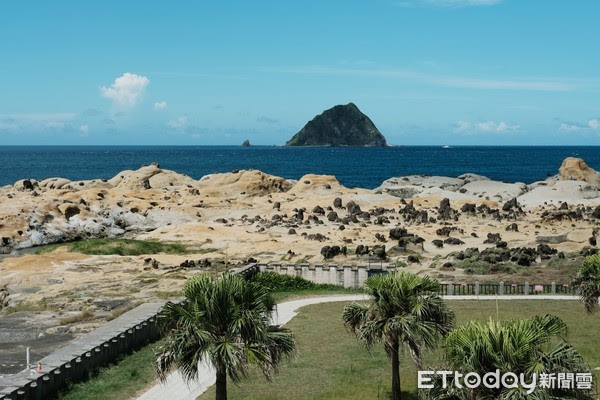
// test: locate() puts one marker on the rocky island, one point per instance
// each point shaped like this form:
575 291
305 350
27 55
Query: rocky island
342 125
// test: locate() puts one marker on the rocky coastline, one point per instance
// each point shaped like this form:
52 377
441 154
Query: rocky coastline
57 210
463 229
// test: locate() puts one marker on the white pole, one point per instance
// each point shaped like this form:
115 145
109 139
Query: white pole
28 363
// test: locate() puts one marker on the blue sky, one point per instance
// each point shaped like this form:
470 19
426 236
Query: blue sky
205 72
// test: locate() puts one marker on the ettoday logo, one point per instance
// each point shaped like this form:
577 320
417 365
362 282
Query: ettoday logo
507 380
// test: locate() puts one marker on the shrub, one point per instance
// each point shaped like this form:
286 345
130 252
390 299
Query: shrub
588 282
287 283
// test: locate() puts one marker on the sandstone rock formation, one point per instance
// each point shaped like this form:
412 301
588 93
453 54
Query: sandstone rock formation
576 169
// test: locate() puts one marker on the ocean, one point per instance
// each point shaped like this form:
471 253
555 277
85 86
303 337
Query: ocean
354 167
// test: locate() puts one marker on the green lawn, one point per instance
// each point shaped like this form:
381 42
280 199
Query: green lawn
332 365
123 380
301 294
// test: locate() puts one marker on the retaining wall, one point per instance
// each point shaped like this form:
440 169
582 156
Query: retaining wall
354 276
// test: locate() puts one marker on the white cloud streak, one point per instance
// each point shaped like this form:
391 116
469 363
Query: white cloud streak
461 3
523 84
565 127
178 124
485 127
20 122
39 117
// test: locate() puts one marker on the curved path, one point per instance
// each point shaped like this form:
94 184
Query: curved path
176 388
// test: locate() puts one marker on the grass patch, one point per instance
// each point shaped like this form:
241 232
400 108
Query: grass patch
86 315
116 246
122 380
35 306
175 276
117 312
167 294
303 260
478 267
346 370
300 294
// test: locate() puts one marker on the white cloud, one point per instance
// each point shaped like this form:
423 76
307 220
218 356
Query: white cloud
462 126
127 90
84 129
178 124
160 105
594 123
565 127
485 127
504 127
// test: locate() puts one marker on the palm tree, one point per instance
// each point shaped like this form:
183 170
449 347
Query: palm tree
587 281
225 321
405 310
522 346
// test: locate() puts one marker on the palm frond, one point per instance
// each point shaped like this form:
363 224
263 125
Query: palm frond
225 321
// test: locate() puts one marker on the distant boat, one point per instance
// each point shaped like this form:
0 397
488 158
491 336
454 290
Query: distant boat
446 147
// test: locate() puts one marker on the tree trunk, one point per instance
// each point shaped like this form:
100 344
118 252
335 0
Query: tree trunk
396 393
221 392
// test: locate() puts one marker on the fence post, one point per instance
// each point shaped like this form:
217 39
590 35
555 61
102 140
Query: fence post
476 288
304 273
333 275
319 273
553 290
450 288
526 288
347 276
363 274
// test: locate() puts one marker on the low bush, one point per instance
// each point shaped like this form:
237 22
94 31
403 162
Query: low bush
287 283
37 306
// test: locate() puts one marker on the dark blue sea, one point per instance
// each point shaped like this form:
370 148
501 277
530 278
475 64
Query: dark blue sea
354 167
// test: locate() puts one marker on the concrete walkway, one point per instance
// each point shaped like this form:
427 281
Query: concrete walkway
176 388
